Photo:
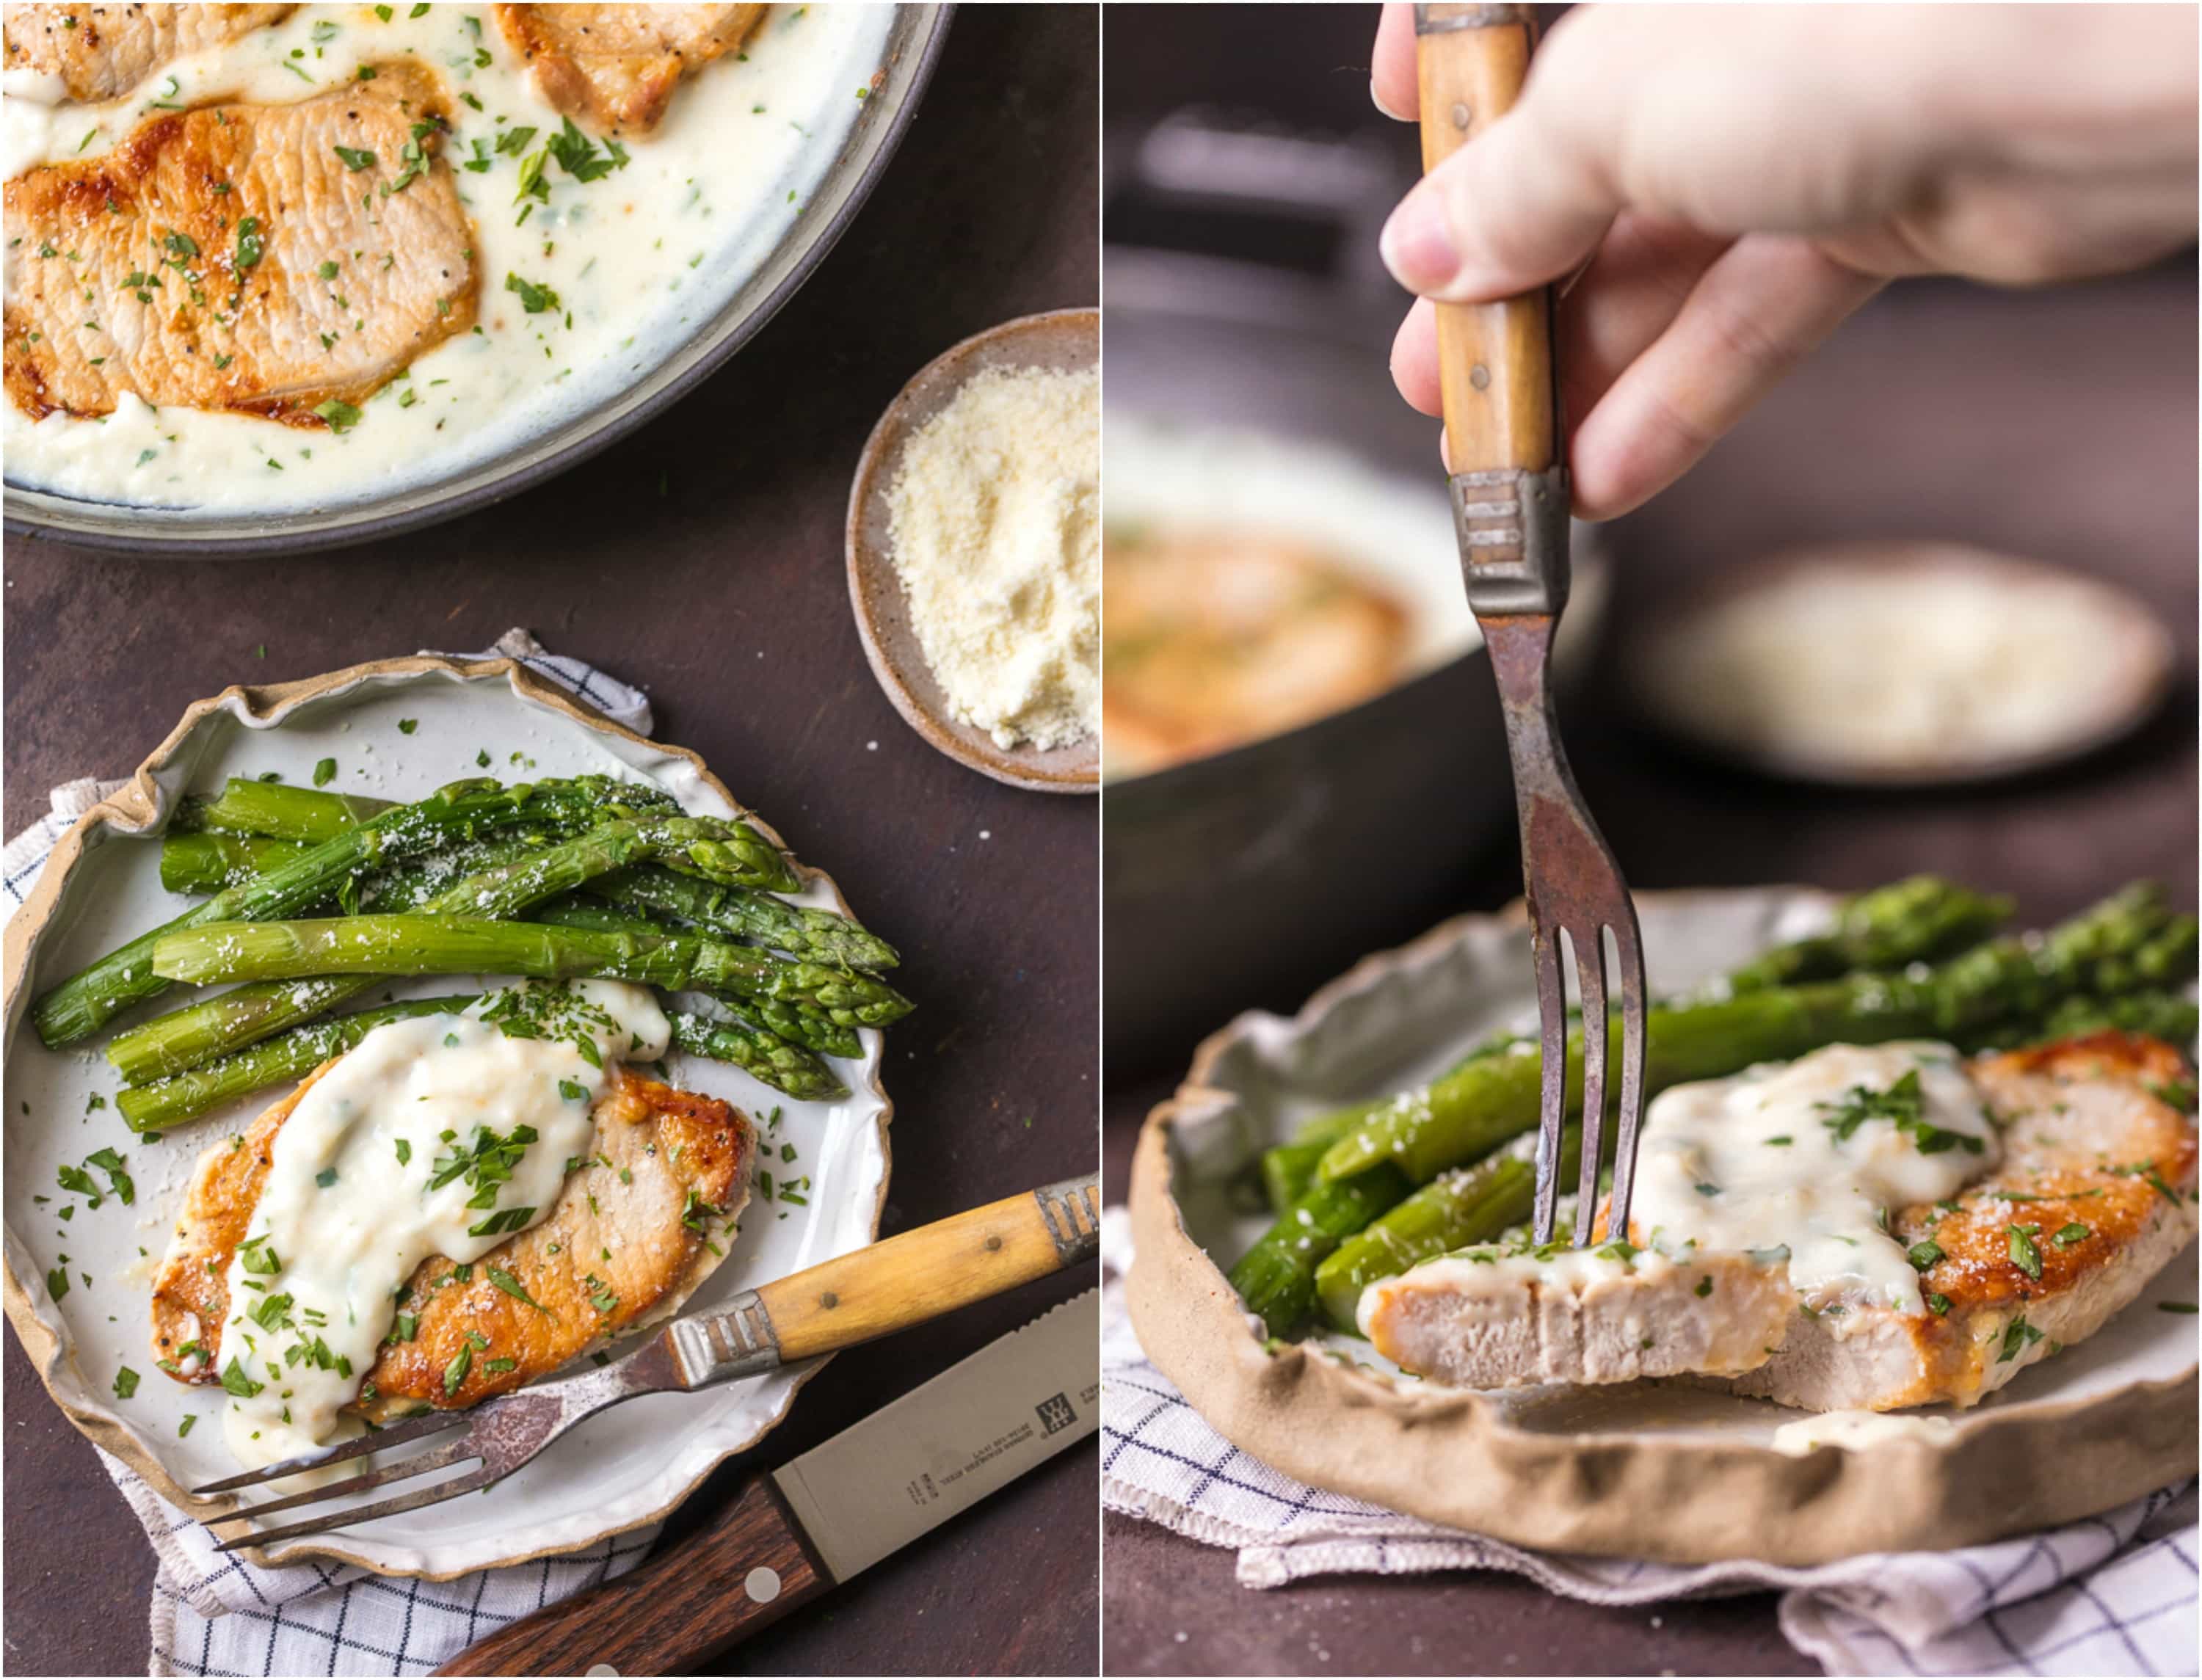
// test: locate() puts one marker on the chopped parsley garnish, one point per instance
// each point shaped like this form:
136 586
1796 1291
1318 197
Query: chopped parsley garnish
1705 1287
2024 1253
405 1151
2020 1334
181 246
406 726
1904 1104
2074 1232
1938 1304
571 1092
341 415
512 1286
126 1383
237 1381
536 300
185 1428
57 1283
1924 1255
251 247
502 1222
1781 1142
2176 1306
456 1372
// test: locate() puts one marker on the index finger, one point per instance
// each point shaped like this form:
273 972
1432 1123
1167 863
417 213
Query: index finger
1392 82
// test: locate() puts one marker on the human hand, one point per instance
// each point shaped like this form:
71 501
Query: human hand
1729 183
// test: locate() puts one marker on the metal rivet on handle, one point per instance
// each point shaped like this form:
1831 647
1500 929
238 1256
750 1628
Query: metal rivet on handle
1480 376
762 1584
1460 117
829 1300
601 1668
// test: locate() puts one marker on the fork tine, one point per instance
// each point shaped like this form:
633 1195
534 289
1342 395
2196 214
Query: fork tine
1552 1102
374 1440
1629 952
452 1453
348 1518
1590 985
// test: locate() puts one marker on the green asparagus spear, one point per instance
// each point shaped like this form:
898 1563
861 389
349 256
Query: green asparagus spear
183 1038
293 1055
1276 1276
276 811
751 918
1914 921
799 1023
86 1002
171 1102
450 944
1467 1205
1471 1112
783 1066
207 862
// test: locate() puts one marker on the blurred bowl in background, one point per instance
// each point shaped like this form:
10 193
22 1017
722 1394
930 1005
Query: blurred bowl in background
1900 663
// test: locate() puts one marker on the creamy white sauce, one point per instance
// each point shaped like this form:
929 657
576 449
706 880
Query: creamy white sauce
348 1213
1857 1430
639 259
1755 1162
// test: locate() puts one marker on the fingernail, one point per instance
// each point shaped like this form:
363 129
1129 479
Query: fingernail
1417 246
1376 99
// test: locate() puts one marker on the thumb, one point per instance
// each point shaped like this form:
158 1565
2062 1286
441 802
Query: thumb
1521 205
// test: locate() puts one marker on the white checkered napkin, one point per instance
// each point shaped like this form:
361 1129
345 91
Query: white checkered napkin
2112 1595
219 1615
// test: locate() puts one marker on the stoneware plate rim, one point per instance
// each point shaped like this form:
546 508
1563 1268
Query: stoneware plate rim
1700 1494
577 1509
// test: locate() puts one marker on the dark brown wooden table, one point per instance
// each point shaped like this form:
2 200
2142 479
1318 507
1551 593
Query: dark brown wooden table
2059 424
989 212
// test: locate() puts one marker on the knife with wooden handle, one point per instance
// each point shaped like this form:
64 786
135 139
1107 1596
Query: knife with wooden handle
787 1537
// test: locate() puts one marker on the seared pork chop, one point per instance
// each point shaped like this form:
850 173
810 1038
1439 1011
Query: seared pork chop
626 1241
1485 1319
285 260
2092 1198
617 66
102 52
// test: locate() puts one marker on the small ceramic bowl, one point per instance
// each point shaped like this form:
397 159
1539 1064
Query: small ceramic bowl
1068 340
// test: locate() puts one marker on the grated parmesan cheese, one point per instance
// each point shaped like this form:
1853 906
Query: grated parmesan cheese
996 528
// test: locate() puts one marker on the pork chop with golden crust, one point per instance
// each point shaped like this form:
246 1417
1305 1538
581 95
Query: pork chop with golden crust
102 52
630 1238
616 67
270 260
2093 1195
2090 1149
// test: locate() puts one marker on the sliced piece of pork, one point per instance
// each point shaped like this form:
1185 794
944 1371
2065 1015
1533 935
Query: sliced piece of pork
616 67
1485 1319
285 260
102 52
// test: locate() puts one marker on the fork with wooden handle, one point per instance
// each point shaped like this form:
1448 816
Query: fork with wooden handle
1504 451
889 1286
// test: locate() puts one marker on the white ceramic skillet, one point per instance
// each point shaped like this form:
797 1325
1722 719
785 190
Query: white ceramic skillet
101 886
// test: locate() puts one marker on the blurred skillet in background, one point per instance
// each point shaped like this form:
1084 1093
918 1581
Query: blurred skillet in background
1255 450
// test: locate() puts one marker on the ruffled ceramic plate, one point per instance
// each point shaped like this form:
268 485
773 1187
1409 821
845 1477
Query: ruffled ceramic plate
1666 1471
103 887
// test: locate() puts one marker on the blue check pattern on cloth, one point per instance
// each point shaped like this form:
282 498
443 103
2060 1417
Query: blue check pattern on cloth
2113 1595
213 1614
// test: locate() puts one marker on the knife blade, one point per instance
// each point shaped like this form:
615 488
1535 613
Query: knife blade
831 1513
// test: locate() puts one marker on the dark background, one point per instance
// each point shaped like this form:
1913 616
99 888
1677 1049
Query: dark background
2059 424
987 212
